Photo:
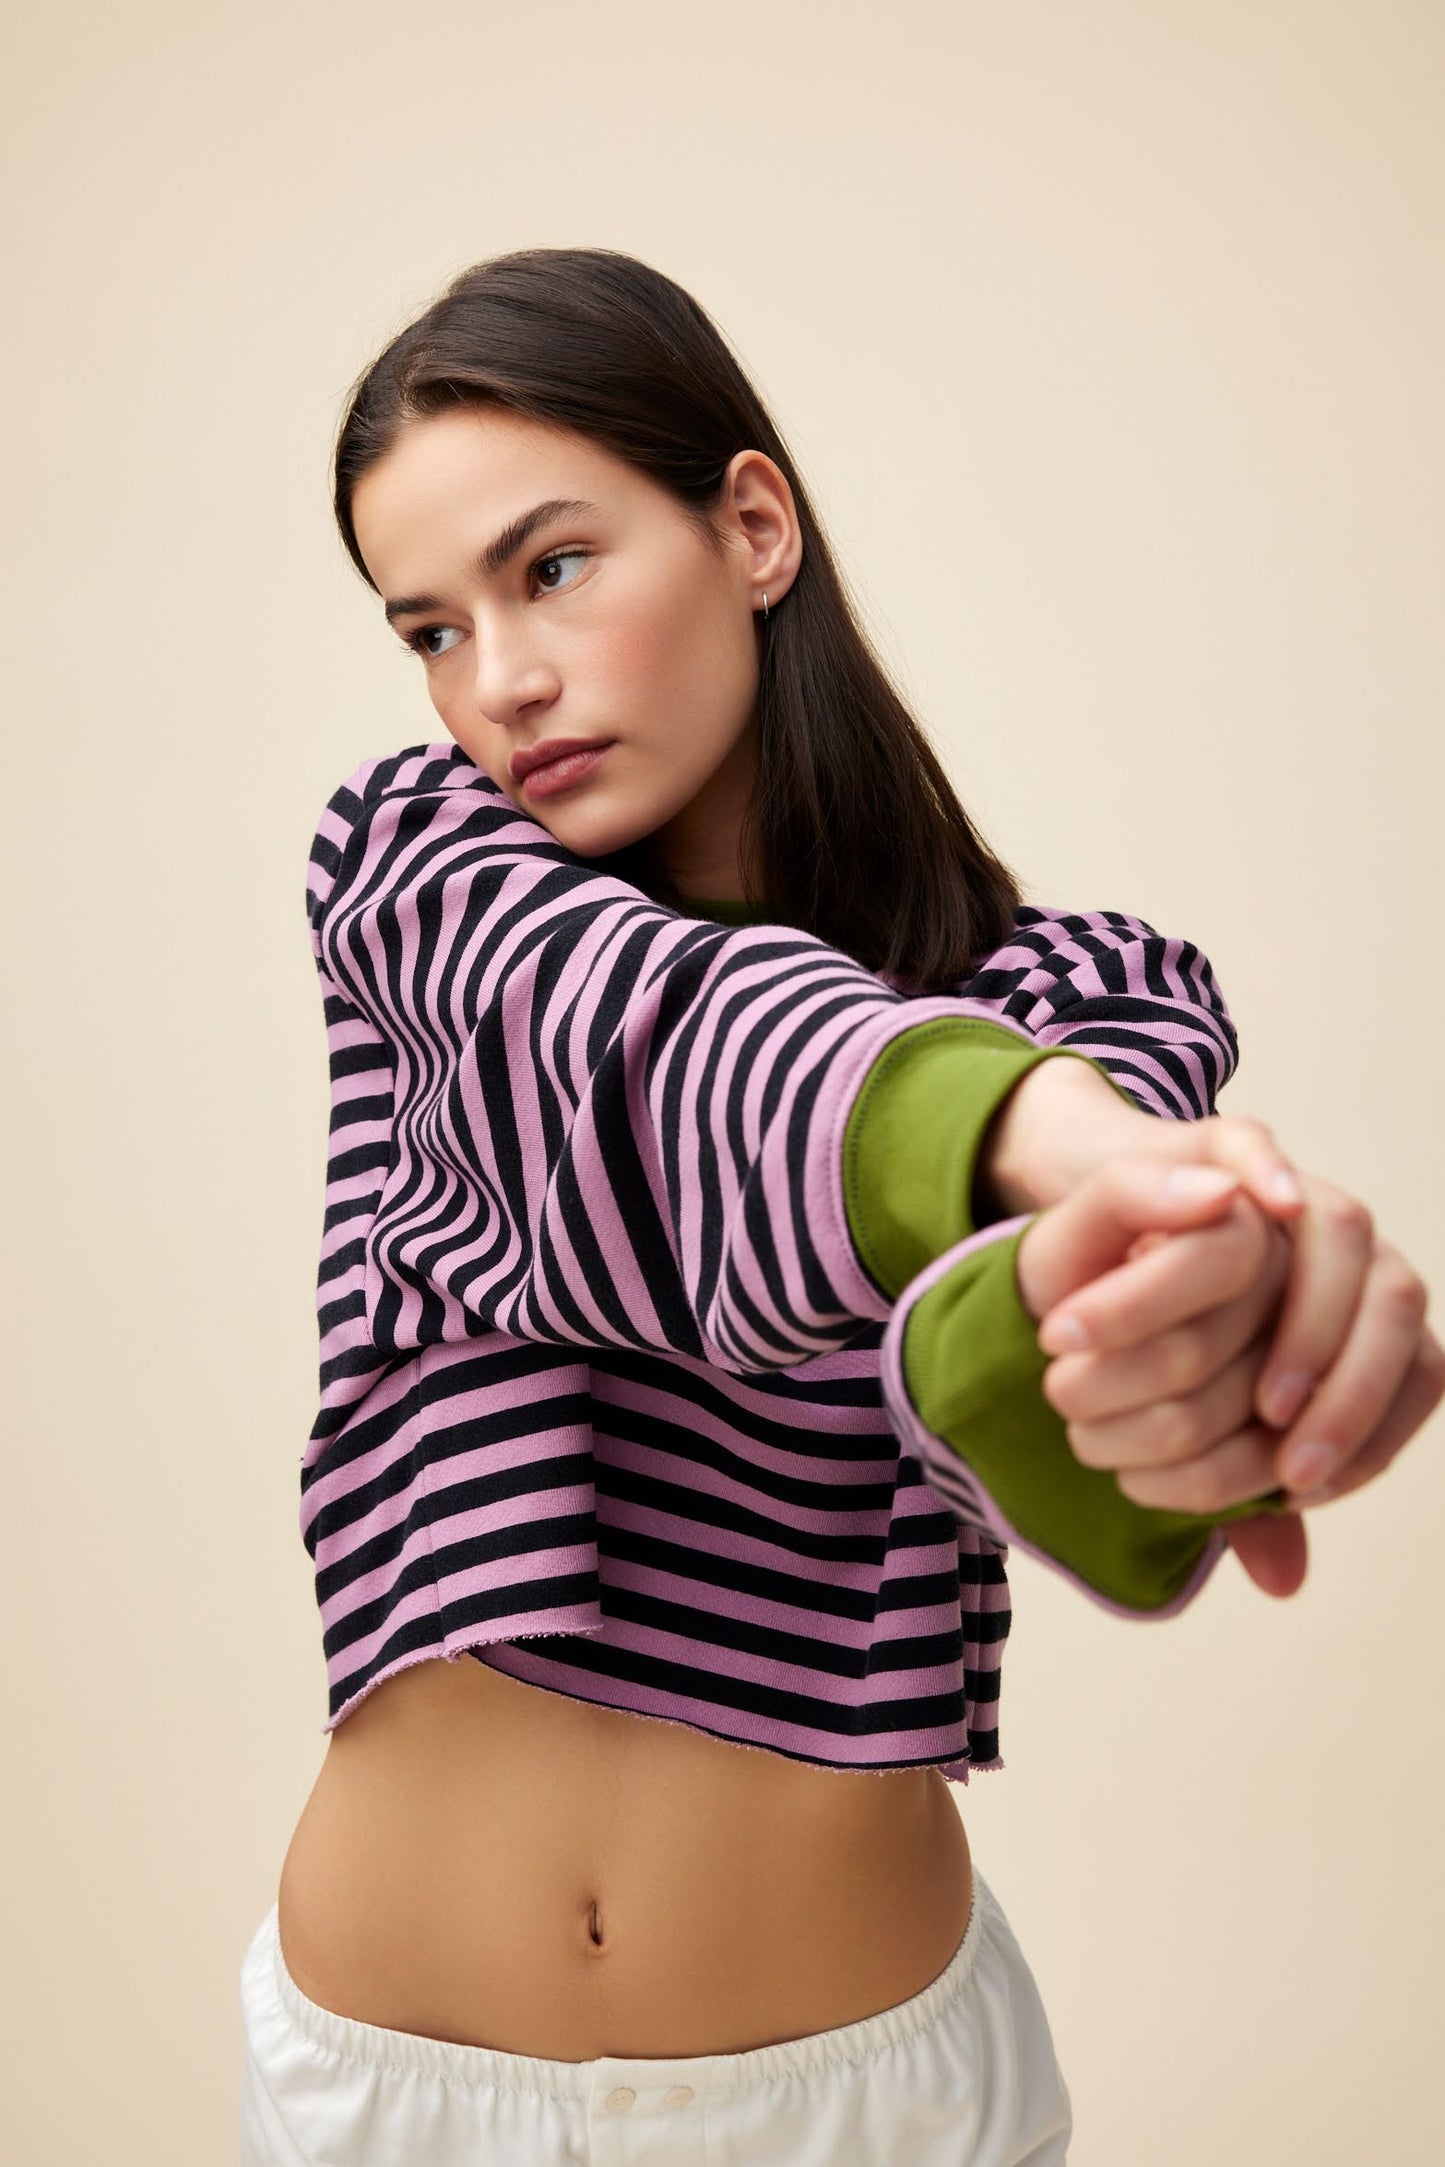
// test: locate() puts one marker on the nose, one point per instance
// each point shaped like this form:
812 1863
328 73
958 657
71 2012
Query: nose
513 676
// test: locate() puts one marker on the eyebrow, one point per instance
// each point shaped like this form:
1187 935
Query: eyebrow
501 548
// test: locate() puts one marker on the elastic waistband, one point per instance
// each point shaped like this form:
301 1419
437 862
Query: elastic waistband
490 2068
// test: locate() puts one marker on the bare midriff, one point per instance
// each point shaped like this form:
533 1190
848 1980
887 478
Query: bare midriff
489 1862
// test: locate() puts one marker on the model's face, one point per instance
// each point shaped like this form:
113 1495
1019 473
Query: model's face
610 619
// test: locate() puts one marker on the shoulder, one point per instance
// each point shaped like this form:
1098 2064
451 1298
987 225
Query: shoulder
427 775
414 771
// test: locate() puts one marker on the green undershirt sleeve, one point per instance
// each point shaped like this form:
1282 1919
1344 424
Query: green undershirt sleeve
970 1357
914 1134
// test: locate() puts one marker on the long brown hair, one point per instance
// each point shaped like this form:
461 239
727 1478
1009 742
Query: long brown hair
853 830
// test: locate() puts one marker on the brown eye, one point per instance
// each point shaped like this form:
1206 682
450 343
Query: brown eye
555 557
417 641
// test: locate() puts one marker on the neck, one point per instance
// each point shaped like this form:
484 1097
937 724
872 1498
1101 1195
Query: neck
699 846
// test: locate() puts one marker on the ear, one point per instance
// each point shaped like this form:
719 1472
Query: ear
760 519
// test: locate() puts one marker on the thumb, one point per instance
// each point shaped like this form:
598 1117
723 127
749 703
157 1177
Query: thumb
1273 1550
1096 1227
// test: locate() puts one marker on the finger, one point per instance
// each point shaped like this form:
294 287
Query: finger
1242 1146
1090 1231
1234 1472
1355 1395
1333 1241
1411 1408
1247 1147
1273 1549
1169 1431
1198 1269
1091 1385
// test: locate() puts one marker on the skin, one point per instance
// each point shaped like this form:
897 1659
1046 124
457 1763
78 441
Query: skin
651 637
678 1894
1202 1366
654 624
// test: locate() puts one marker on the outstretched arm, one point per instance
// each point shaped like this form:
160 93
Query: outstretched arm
966 1366
565 1112
1182 1394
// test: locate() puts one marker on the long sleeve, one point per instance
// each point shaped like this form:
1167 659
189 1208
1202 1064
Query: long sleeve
1143 1008
611 1125
358 1155
962 1369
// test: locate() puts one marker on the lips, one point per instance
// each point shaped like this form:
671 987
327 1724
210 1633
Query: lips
550 778
528 758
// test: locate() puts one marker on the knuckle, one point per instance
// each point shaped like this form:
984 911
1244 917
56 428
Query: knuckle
1199 1487
1083 1443
1250 1128
1207 1491
1175 1431
1350 1215
1404 1290
1181 1363
1056 1390
1129 1486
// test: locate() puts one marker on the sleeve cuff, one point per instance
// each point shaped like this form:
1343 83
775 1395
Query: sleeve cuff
912 1141
962 1377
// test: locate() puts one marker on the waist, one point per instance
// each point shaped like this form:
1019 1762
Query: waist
483 1861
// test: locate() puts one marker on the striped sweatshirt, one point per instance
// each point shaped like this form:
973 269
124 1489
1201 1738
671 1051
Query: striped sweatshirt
618 1245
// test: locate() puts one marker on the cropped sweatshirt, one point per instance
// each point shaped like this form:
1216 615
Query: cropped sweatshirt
661 1362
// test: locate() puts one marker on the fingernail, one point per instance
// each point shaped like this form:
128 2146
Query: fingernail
1064 1335
1198 1182
1286 1396
1284 1188
1306 1465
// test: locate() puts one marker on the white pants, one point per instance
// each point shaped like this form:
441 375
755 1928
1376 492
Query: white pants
962 2074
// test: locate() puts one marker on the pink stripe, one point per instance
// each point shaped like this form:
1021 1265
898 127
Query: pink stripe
768 1329
742 1547
921 1745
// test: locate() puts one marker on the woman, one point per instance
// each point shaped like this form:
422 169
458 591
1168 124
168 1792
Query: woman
669 1870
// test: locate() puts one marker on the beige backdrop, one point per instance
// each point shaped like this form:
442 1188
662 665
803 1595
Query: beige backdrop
1111 340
